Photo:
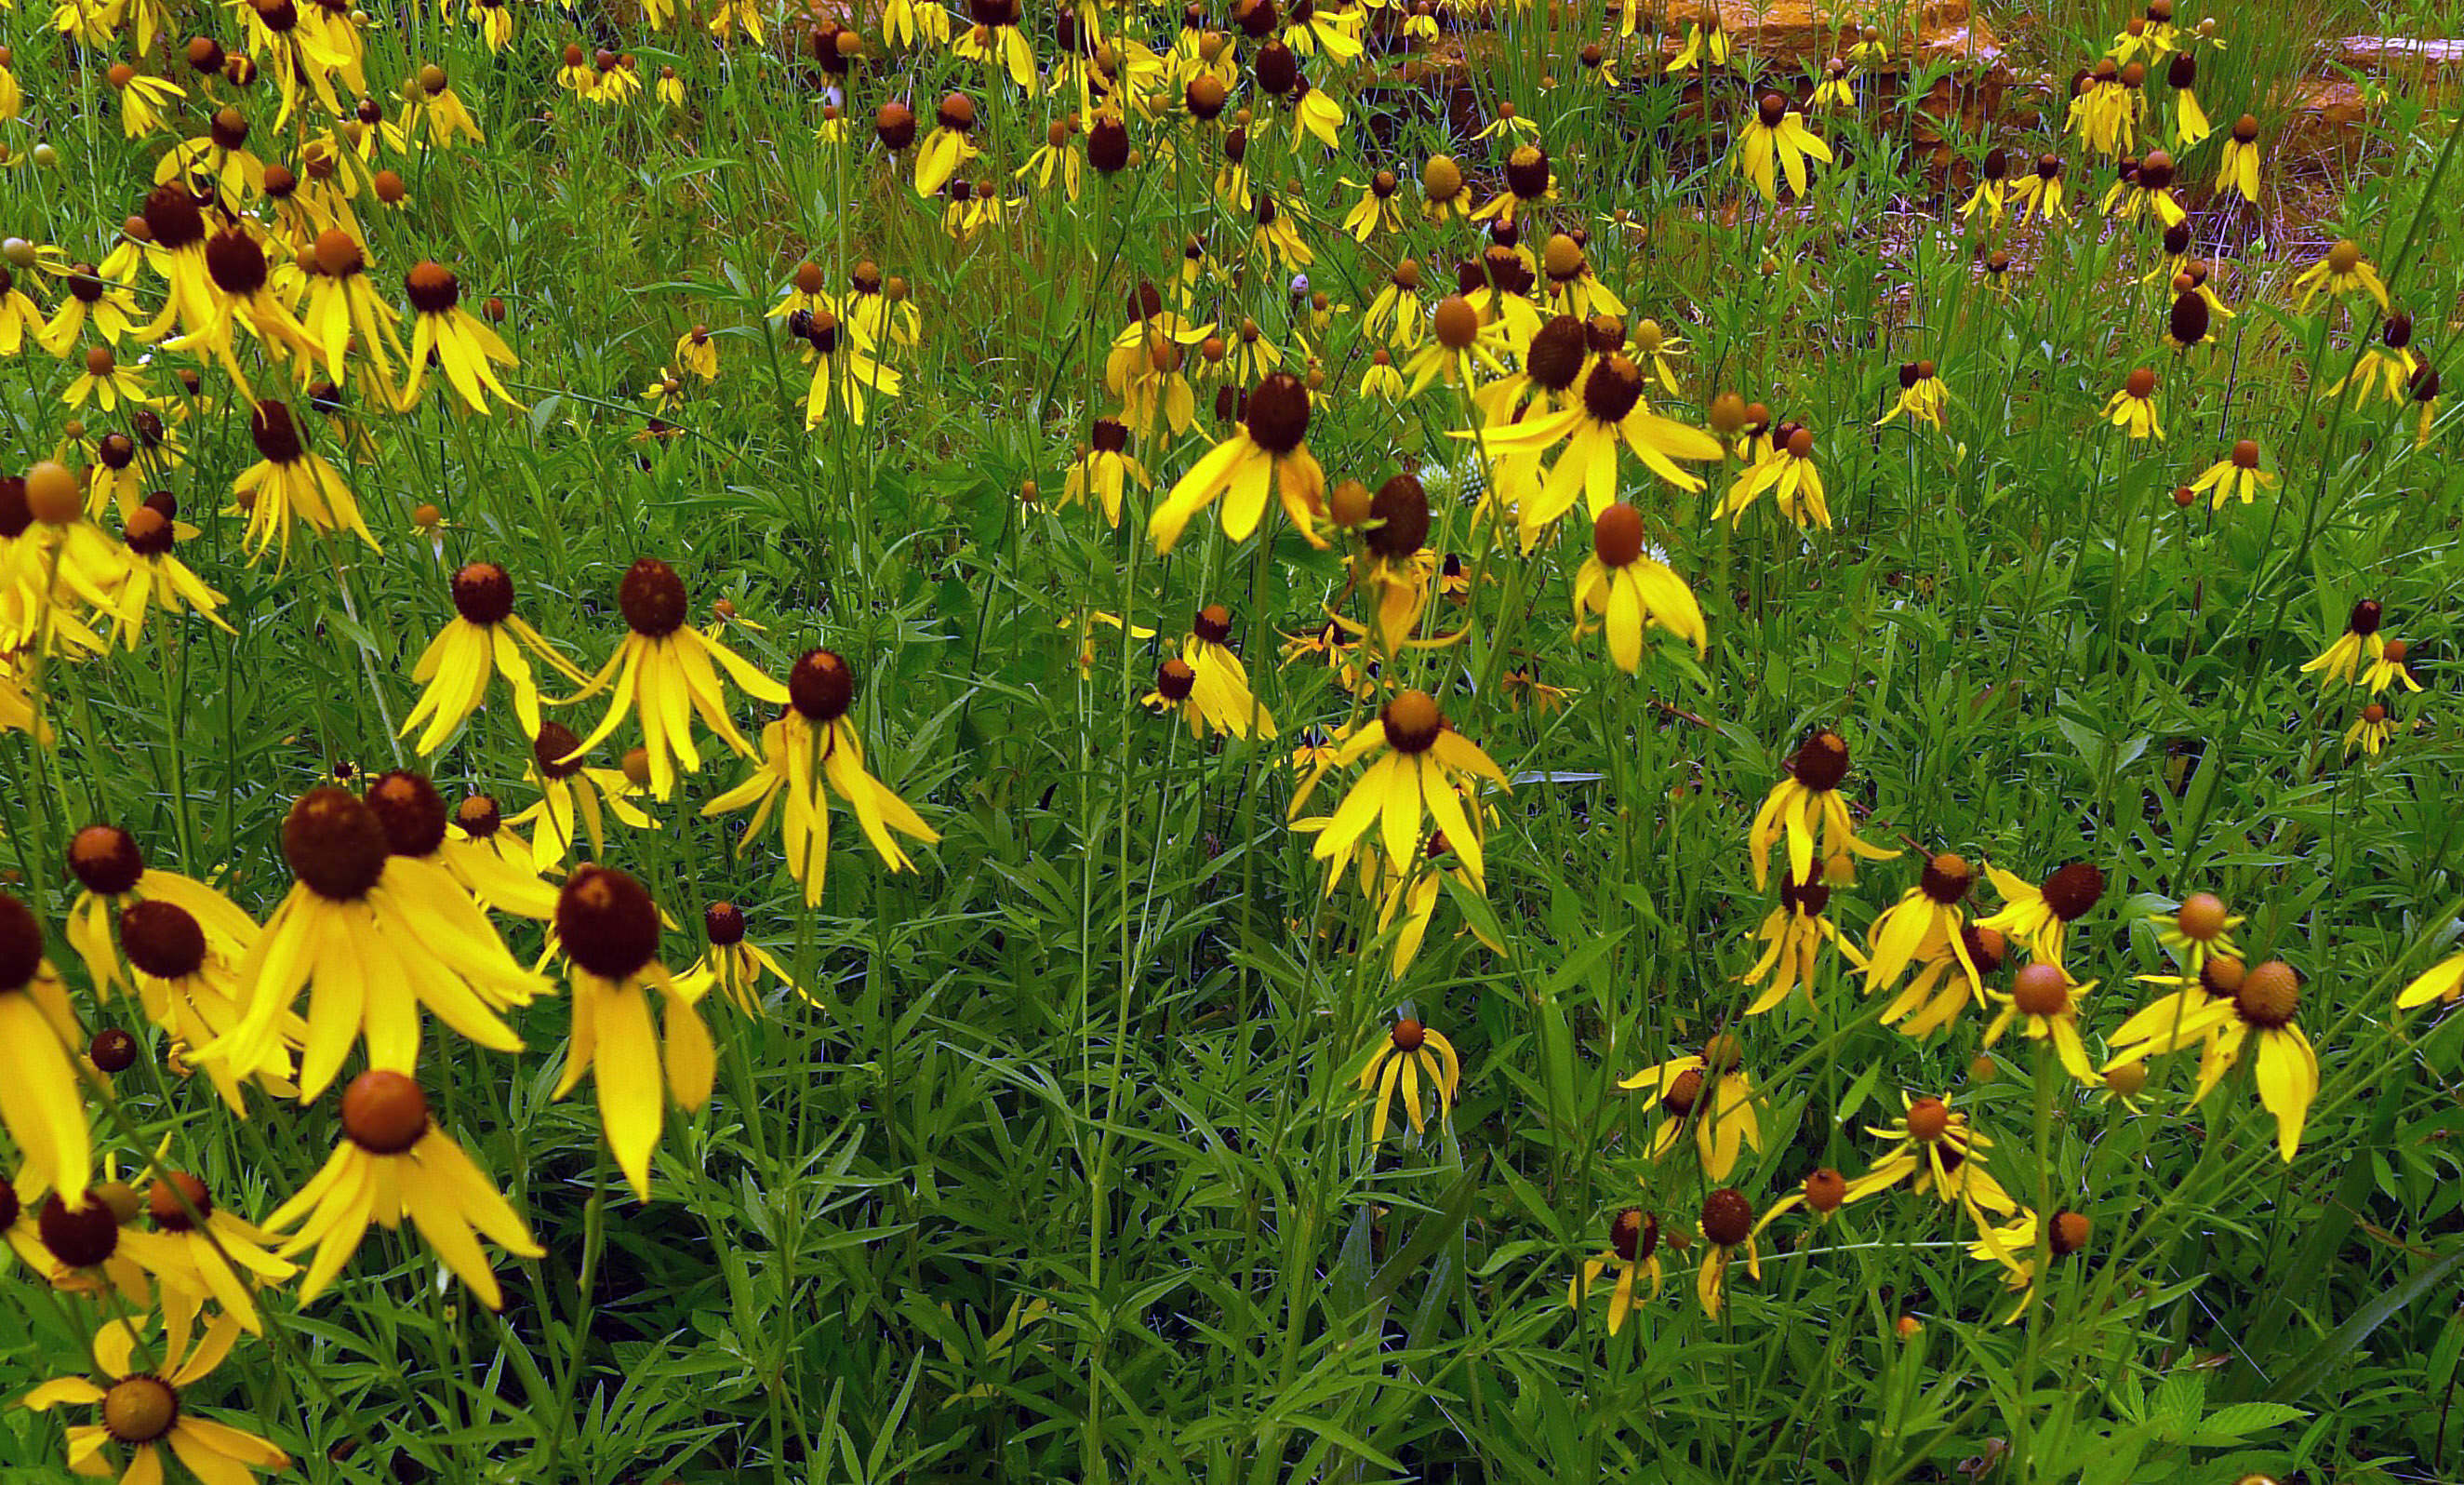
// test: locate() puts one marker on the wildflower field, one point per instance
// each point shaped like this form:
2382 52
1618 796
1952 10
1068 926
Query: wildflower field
1300 740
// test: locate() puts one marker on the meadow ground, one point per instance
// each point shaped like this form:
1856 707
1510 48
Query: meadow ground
1368 740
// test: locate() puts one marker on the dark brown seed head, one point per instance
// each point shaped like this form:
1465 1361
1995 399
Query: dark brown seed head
1277 68
335 843
2221 976
2270 994
1634 1234
1613 389
172 217
205 55
2187 324
412 811
432 288
1771 109
105 861
112 1051
1928 1119
2201 916
1946 878
383 1113
171 1200
2423 384
1278 413
1821 761
162 940
893 123
1526 172
723 924
1212 624
821 686
1399 516
1826 1189
1556 357
2365 620
2245 129
606 922
555 741
653 598
1204 96
79 1237
1810 898
483 593
1408 1034
1107 143
2069 1230
1682 1093
1617 535
1997 163
1986 947
21 944
2073 890
2141 382
1174 679
1255 17
955 111
1728 1217
1412 721
276 434
2156 171
1108 436
2397 332
2040 989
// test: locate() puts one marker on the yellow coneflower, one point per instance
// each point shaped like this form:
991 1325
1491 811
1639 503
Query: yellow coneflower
1422 764
808 755
2041 193
461 343
1927 919
2103 112
1610 411
2360 645
2236 475
110 308
394 1162
908 23
2037 918
1221 691
2443 981
609 929
1710 1093
1395 1063
2013 1245
663 673
2383 369
2133 409
1459 347
1103 471
1941 989
142 1404
482 852
483 639
1270 449
1922 396
1634 1252
188 985
1988 195
2199 928
2044 1001
1789 475
1823 1191
1777 136
1807 810
1792 933
198 1249
291 481
2237 168
1934 1149
1527 180
1838 88
373 938
843 367
157 579
39 1101
947 147
244 296
734 964
111 870
1376 212
2371 731
1703 41
2342 270
574 794
107 382
2261 1010
1629 591
1726 1225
